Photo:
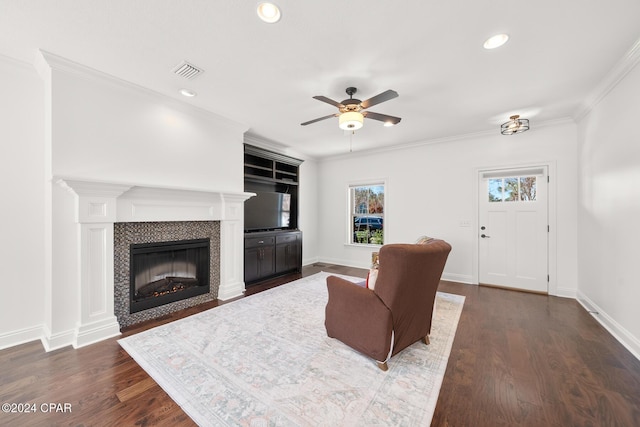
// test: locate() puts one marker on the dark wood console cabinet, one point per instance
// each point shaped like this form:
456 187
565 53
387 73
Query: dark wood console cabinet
271 253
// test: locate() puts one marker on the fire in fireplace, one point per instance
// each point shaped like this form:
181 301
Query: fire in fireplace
164 272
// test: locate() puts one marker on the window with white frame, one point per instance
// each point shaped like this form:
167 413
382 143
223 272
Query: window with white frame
366 214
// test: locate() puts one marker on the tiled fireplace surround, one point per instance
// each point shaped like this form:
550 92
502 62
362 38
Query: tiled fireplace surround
127 233
100 205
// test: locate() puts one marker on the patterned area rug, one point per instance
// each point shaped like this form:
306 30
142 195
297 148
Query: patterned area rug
266 360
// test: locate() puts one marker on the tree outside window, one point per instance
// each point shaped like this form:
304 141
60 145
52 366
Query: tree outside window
512 189
366 212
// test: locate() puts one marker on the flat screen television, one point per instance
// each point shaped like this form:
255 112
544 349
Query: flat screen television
267 211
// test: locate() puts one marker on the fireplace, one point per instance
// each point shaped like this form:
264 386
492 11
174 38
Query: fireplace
92 262
155 246
164 272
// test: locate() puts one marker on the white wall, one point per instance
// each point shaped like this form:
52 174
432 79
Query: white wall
22 210
432 187
106 129
609 208
308 217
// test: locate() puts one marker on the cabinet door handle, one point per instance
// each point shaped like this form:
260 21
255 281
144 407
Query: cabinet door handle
260 242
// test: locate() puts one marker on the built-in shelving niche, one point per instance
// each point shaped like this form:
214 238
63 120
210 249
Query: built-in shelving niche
268 171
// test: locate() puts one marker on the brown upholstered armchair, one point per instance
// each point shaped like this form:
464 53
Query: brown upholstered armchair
381 322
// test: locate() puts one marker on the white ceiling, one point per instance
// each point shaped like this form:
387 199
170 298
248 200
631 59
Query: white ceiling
264 75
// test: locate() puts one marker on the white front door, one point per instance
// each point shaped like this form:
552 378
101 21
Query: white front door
513 228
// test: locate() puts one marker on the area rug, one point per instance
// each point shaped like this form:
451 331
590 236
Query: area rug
266 360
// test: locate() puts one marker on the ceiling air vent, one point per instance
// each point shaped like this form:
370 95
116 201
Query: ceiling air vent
188 71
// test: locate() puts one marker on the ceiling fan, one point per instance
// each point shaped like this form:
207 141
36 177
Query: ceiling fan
351 111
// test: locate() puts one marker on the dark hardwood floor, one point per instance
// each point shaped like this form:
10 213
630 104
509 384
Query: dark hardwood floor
518 359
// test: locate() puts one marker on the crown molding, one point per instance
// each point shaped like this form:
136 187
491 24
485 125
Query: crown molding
58 63
268 144
609 82
453 138
17 62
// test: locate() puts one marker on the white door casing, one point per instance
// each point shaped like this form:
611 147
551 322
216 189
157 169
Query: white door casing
513 228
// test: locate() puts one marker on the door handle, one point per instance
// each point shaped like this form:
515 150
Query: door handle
484 236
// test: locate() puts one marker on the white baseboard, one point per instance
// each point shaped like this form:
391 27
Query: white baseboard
565 293
231 290
452 277
96 331
55 341
21 336
309 261
346 263
618 331
460 278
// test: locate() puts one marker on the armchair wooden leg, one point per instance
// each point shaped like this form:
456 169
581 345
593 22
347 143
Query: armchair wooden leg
425 339
383 366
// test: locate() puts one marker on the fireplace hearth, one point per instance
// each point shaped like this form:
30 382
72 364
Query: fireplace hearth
165 272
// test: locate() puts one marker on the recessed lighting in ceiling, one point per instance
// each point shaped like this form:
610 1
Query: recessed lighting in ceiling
496 41
269 12
188 93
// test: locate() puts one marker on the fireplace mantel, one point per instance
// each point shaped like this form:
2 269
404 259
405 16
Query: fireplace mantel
98 205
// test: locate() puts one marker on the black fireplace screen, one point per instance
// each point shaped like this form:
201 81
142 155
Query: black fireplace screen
165 272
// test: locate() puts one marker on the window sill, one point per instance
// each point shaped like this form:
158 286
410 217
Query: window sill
363 245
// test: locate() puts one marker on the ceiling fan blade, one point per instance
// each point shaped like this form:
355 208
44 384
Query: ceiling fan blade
384 96
328 101
382 117
319 119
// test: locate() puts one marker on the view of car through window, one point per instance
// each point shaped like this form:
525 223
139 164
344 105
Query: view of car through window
367 214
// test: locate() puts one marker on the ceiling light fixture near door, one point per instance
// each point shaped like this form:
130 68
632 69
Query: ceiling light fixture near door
496 41
269 12
514 125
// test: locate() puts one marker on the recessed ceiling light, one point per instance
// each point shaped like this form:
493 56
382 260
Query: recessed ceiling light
188 92
496 41
269 12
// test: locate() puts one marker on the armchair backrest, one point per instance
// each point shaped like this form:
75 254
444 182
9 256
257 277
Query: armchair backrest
408 279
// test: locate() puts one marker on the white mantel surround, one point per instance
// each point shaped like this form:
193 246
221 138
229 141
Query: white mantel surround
98 205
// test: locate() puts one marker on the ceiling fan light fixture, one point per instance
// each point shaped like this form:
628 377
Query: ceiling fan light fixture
269 12
514 125
388 124
351 120
496 41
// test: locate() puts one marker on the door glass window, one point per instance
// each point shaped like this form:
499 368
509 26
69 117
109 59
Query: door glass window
527 188
512 189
